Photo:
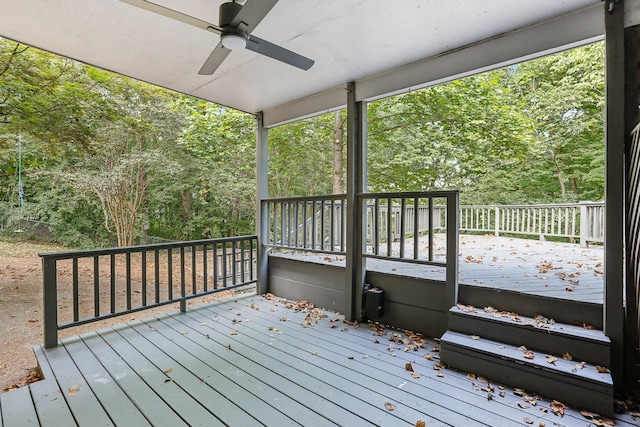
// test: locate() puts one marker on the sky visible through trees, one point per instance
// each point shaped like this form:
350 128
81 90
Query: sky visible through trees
108 160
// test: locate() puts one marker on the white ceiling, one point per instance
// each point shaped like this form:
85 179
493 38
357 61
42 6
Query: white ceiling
385 46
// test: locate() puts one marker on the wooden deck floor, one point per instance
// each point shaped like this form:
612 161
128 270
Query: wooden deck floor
550 269
253 361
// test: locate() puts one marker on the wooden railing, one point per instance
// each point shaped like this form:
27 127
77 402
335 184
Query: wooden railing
312 224
87 286
395 228
583 221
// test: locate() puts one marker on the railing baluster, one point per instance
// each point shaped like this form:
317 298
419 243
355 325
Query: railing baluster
143 259
332 226
242 261
113 283
224 266
96 286
403 206
430 219
194 271
389 226
205 269
170 274
183 284
128 278
76 310
416 226
216 277
234 265
156 268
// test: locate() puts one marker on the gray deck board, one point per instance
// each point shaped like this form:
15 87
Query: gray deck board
48 399
82 402
333 363
257 396
103 385
177 369
191 411
315 379
389 368
17 408
155 410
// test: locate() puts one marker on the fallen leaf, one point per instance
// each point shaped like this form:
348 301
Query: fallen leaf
389 406
522 348
589 415
429 357
475 337
234 332
558 408
166 371
602 369
523 405
567 356
440 374
482 380
501 394
550 359
33 320
74 389
228 346
581 365
415 375
420 423
471 376
528 420
409 367
529 355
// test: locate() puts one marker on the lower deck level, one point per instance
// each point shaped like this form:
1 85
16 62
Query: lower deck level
258 360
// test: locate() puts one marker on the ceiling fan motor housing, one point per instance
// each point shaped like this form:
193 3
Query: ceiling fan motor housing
227 12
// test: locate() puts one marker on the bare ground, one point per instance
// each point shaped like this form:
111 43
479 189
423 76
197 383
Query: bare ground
21 322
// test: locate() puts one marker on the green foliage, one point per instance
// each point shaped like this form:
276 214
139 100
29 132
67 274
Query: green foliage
110 160
523 134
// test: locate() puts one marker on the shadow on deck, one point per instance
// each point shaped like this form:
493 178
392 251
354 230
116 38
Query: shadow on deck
254 361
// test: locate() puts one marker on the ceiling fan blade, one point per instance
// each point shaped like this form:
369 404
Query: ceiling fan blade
252 13
279 53
174 14
214 60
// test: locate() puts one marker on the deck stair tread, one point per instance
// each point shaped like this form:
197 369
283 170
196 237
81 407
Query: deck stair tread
570 381
538 333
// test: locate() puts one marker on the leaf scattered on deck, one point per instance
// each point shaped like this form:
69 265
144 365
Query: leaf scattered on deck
389 406
74 389
558 408
408 367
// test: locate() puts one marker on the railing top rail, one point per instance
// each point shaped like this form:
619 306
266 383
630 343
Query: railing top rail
400 194
306 198
133 249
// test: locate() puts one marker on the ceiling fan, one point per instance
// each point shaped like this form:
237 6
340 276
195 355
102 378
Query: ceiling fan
236 22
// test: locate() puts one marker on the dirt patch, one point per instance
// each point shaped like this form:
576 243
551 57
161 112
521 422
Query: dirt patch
21 308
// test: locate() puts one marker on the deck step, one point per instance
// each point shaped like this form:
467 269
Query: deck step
566 381
539 334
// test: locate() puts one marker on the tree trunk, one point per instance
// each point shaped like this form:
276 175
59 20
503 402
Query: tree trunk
563 190
338 146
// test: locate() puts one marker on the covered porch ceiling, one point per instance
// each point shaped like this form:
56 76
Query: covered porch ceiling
385 46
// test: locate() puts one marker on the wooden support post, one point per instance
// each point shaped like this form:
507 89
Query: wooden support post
50 302
356 183
614 185
453 225
262 212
